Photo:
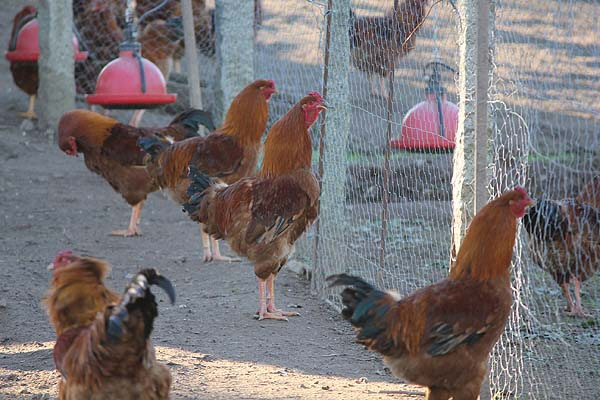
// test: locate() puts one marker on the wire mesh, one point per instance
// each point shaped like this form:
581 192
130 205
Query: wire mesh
101 26
543 136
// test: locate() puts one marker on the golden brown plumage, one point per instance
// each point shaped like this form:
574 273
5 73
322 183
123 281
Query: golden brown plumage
102 349
110 149
159 40
564 240
229 153
440 336
25 74
261 217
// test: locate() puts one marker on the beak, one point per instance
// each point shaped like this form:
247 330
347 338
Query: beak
50 267
321 107
530 203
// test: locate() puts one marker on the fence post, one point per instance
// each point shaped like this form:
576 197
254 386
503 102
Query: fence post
470 177
235 50
191 55
333 143
55 66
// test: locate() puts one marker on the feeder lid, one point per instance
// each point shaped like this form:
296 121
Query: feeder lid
421 126
27 47
121 84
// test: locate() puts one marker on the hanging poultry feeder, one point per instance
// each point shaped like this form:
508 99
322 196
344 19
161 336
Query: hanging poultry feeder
431 124
25 46
131 81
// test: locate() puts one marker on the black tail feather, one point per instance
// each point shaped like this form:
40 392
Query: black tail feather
138 296
199 182
152 145
192 119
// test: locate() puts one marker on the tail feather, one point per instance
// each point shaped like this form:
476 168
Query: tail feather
199 182
138 296
192 119
365 307
152 145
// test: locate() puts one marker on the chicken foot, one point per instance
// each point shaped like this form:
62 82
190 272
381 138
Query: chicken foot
30 113
136 118
263 311
211 250
576 309
133 229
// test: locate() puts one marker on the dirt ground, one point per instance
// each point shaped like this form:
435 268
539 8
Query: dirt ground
209 340
214 348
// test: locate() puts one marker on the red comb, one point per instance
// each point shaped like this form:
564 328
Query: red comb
521 191
317 96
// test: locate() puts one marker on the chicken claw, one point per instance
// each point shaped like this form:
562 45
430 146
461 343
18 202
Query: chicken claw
281 312
28 115
127 232
268 315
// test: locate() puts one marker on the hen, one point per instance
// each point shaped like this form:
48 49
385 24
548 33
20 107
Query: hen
110 149
100 34
25 74
229 153
441 336
261 217
103 348
564 239
377 43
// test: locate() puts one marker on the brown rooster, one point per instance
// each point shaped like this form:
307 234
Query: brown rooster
110 149
441 336
229 153
262 217
377 43
564 239
25 74
103 350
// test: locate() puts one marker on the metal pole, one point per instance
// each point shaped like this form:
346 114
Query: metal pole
191 55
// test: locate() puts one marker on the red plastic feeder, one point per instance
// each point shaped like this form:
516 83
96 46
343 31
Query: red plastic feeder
431 124
27 48
130 82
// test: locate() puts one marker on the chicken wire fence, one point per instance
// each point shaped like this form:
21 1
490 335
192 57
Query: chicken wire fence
393 219
386 213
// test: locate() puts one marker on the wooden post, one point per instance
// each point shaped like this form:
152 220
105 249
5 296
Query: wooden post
386 170
470 178
235 50
191 56
56 90
333 143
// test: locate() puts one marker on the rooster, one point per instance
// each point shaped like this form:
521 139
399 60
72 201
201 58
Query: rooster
25 74
261 217
103 347
110 149
229 153
564 239
441 336
377 43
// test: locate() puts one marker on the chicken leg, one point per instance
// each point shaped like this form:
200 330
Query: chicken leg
271 300
136 118
211 250
30 113
577 310
263 312
133 229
